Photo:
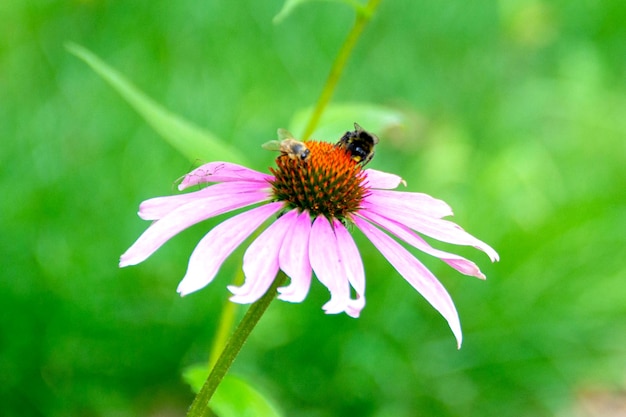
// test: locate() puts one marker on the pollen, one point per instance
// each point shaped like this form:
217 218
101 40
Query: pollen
328 183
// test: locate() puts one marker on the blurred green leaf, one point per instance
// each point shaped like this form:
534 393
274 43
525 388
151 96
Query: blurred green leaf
237 398
191 141
234 397
195 375
341 117
290 5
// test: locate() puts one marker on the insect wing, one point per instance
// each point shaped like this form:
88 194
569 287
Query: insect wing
284 134
272 145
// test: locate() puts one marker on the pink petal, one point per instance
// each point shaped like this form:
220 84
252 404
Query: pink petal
222 172
442 230
180 219
220 242
353 267
260 262
294 260
380 179
324 258
415 273
156 208
455 261
418 202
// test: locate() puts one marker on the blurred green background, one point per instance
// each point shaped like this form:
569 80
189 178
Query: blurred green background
514 112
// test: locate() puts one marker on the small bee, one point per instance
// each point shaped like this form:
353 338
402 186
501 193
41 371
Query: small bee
289 146
359 143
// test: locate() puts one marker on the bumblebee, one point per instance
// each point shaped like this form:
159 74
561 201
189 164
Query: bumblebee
359 143
289 146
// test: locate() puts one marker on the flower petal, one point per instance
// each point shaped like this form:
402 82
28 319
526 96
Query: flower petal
222 172
220 242
158 207
415 273
353 267
181 218
457 262
443 230
294 260
418 202
324 258
380 179
260 262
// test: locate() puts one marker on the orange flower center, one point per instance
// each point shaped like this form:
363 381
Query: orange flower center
328 182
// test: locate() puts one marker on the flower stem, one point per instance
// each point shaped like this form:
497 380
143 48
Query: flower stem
225 325
364 14
200 405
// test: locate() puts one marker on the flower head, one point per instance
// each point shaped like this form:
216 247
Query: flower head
311 202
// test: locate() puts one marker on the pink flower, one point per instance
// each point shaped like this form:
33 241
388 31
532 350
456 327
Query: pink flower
312 203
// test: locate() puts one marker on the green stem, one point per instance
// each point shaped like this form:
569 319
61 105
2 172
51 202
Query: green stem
200 405
225 326
363 16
